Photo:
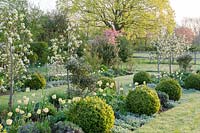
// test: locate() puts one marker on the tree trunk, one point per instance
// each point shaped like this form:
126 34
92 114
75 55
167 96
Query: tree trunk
68 85
158 66
170 63
10 103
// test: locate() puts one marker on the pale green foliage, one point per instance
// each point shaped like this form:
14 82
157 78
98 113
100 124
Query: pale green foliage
137 17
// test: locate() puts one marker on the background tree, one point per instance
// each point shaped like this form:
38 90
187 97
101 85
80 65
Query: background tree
124 49
136 17
170 46
192 23
186 33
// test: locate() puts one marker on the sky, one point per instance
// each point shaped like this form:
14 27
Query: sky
182 8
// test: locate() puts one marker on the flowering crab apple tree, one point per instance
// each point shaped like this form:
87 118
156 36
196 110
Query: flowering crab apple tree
15 48
56 60
111 36
105 47
62 49
170 46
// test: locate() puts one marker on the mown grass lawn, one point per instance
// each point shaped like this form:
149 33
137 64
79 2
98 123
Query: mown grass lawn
184 118
37 97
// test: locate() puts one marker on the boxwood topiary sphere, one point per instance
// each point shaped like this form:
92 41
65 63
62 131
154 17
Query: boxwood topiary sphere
105 82
92 114
170 87
36 82
143 100
142 76
193 81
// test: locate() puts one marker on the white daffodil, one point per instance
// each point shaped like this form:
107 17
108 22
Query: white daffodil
104 94
17 110
9 122
100 90
10 114
136 83
121 89
39 111
100 83
29 115
1 127
53 96
21 112
45 110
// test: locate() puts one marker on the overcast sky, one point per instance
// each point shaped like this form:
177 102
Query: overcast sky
182 8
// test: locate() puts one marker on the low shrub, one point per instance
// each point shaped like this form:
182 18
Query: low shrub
66 127
115 72
193 82
37 127
198 71
59 116
36 82
92 114
164 98
129 122
142 76
43 127
184 62
170 87
28 128
143 100
105 82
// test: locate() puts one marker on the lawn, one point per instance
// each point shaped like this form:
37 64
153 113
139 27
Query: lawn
37 97
184 118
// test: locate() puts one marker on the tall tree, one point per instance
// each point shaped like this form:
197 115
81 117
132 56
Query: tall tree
136 17
170 46
14 43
